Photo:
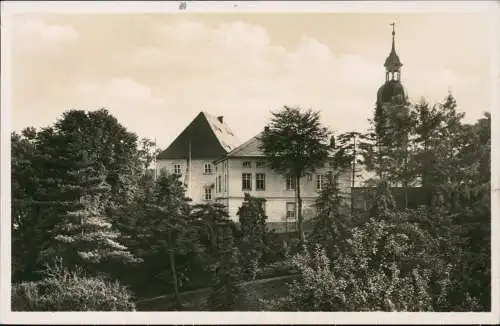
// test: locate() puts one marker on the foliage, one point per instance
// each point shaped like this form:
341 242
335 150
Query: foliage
332 221
63 290
253 227
225 291
83 236
41 160
295 143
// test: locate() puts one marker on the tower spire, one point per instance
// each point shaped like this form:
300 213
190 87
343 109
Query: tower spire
392 63
393 35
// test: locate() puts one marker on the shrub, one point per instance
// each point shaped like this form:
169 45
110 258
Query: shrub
63 290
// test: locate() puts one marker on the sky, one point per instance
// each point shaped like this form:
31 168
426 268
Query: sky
156 72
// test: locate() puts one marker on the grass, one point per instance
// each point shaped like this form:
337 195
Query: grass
197 300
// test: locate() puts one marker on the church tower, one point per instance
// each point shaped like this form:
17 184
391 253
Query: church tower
392 91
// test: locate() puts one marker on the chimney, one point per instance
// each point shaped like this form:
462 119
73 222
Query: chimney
221 119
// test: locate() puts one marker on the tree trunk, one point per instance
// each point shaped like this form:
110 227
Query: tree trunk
298 210
173 269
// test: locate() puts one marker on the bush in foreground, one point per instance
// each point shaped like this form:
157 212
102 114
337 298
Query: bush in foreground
63 290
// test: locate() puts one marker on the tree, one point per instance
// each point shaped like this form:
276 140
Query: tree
225 290
82 235
295 143
167 230
253 228
23 187
332 223
351 151
39 160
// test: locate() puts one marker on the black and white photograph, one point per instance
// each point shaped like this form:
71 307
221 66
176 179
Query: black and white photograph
270 161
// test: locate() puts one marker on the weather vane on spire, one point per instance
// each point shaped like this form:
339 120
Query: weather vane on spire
393 24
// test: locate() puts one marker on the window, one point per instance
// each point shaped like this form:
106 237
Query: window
260 181
247 164
177 169
246 181
260 164
208 168
320 181
290 182
290 210
208 193
219 183
309 177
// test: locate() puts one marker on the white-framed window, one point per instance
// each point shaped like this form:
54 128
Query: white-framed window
246 181
208 168
207 195
290 210
247 164
260 164
320 181
309 177
260 181
219 183
177 169
290 182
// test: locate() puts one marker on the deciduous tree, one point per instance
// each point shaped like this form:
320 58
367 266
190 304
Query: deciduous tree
296 143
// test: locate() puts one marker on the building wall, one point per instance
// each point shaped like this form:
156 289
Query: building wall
275 193
199 179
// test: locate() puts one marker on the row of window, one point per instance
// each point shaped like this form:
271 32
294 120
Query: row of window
207 169
290 183
258 164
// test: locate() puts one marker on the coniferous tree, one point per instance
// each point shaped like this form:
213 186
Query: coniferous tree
167 230
332 221
83 235
253 228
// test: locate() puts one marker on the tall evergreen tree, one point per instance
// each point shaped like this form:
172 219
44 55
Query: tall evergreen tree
82 234
253 228
167 229
332 221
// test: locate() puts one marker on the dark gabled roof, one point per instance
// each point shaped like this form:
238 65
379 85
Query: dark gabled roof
206 136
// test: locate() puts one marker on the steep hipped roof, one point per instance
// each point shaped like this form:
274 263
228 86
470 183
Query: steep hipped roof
206 136
250 148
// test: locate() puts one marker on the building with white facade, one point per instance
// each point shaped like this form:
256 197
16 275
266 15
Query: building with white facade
192 153
244 170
